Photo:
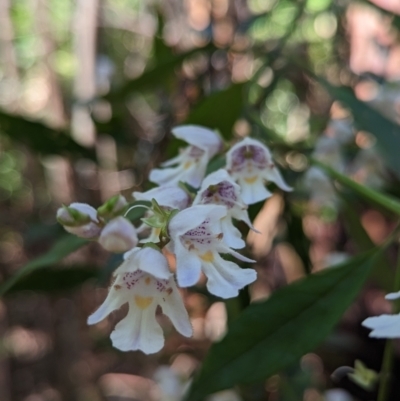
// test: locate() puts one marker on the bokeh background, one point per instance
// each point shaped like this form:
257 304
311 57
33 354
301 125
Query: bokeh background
89 90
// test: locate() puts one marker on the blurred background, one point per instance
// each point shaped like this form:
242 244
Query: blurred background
89 90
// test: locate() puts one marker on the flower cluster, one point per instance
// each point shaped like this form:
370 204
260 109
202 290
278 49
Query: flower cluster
196 227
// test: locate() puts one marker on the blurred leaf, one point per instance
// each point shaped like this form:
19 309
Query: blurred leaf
363 243
154 76
296 237
385 201
386 132
271 335
53 280
60 250
220 110
41 138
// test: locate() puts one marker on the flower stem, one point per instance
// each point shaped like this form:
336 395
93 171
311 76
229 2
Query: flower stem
388 355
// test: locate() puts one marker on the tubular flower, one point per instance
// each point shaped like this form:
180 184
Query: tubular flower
144 282
192 161
197 241
385 326
250 163
220 189
80 219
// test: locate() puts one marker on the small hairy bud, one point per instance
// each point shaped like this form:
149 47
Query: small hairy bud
119 235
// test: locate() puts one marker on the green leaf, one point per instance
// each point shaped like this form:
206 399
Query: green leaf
60 250
54 280
387 202
220 110
41 138
381 271
270 336
386 132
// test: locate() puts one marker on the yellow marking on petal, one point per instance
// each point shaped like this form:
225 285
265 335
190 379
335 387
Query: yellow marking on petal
157 231
117 287
147 280
251 180
143 302
207 257
169 291
187 165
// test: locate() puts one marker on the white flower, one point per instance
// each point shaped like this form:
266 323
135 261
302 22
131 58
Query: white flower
80 219
119 235
220 189
320 188
250 163
168 196
385 326
144 281
196 241
192 161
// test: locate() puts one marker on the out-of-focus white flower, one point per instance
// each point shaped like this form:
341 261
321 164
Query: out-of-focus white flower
144 282
384 326
196 240
192 161
328 151
119 235
168 196
80 219
337 394
219 188
342 130
320 188
250 163
171 385
368 168
392 296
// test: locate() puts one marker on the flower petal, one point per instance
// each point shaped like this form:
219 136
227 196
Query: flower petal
232 236
167 176
194 216
188 266
139 330
384 326
115 299
201 137
226 278
392 296
222 248
168 195
253 192
173 307
274 175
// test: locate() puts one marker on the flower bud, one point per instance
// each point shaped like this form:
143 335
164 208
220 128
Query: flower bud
115 206
119 235
79 219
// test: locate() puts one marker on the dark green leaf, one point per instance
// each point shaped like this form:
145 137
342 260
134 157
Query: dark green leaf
387 202
60 250
386 132
39 137
271 335
220 110
53 280
383 276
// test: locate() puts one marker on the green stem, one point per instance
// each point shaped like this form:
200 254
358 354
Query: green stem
388 355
